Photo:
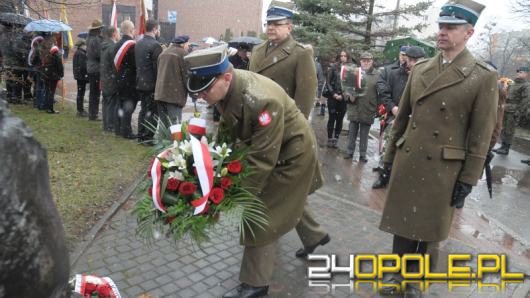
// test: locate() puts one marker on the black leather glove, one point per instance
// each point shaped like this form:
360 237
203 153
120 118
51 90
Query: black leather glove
461 191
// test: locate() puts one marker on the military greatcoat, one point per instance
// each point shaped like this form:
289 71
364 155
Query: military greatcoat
441 134
260 114
290 64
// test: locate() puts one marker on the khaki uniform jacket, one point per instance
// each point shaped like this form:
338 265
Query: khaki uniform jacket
172 76
441 134
517 99
279 153
290 64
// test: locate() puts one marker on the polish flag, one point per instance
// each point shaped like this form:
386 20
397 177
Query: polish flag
143 18
114 16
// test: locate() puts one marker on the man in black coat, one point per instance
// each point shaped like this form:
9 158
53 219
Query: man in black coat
124 63
80 75
146 53
93 61
108 79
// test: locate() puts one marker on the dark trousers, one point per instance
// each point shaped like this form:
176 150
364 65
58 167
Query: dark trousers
38 94
81 87
49 94
14 84
354 129
147 115
93 96
26 85
127 103
336 111
109 111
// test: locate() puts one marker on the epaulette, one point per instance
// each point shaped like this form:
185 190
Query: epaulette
485 65
304 46
422 61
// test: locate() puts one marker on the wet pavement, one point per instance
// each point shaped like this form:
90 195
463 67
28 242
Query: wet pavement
346 206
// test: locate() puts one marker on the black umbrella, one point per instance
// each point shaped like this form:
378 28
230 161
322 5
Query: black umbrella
248 41
14 19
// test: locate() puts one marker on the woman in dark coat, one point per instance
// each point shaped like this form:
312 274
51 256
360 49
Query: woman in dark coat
336 103
52 71
80 75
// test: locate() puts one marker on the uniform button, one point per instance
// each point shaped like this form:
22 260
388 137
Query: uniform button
442 109
429 157
407 149
413 125
435 133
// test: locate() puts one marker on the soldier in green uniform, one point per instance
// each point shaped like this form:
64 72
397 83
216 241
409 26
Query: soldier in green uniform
264 118
439 139
290 64
516 105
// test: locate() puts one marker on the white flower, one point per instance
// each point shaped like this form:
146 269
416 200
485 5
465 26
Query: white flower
185 147
178 175
223 150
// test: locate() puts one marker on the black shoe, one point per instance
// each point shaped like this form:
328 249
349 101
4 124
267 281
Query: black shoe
348 156
504 150
93 119
82 114
382 180
246 291
303 252
130 136
363 159
412 291
52 112
391 287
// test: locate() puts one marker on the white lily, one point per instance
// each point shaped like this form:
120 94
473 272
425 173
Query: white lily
185 147
177 175
223 150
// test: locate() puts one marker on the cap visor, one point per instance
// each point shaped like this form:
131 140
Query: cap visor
275 18
198 84
450 20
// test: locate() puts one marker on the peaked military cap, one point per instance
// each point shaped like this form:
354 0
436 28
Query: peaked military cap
403 49
460 12
415 52
181 39
204 66
276 13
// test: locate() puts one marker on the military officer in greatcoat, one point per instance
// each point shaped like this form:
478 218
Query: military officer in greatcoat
290 64
440 137
259 113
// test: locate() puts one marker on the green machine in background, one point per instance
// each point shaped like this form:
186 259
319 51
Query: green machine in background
391 50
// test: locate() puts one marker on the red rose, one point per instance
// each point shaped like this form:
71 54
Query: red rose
187 188
234 167
226 182
172 184
104 290
149 173
217 195
150 191
170 219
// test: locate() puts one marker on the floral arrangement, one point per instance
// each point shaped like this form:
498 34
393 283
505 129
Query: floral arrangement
191 182
90 286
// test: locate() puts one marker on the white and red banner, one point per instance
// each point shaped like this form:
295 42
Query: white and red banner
118 59
143 18
176 132
204 166
156 178
114 16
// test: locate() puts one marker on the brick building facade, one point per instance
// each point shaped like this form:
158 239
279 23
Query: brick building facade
197 18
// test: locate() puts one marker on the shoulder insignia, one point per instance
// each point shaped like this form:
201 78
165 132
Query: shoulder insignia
485 65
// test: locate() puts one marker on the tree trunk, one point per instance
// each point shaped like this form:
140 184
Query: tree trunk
369 21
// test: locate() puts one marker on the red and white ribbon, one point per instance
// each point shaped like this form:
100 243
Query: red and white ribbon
197 126
87 284
358 78
156 177
204 166
176 132
118 59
